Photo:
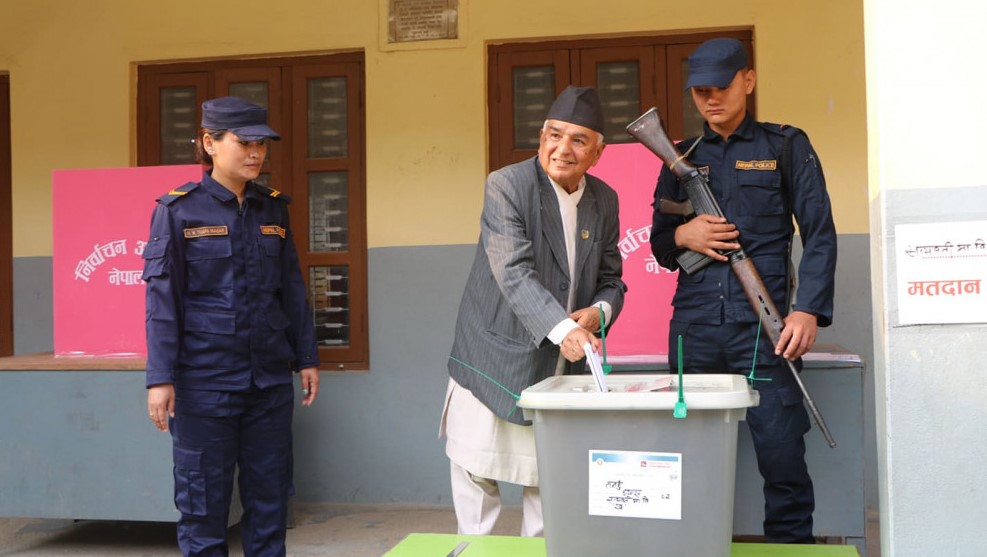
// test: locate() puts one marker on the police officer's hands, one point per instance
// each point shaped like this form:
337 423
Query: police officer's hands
161 404
705 234
587 318
798 336
310 385
572 345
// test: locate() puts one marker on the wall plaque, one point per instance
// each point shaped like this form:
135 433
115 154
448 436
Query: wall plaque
422 20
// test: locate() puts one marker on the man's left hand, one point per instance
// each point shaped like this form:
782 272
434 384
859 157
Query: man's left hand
798 336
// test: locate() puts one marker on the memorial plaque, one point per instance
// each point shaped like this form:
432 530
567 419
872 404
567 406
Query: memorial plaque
422 20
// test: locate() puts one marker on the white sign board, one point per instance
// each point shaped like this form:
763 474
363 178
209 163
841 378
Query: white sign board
635 484
942 272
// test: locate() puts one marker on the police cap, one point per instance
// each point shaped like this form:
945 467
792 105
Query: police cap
715 63
247 120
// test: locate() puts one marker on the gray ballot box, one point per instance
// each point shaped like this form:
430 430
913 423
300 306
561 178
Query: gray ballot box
620 475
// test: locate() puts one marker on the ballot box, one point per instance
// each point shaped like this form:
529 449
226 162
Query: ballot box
621 475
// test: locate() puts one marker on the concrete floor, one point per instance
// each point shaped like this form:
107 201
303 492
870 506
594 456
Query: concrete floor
323 530
320 529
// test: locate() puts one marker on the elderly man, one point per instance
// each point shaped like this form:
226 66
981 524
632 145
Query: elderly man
547 262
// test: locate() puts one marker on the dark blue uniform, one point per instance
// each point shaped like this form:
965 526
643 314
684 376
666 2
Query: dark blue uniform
718 326
227 323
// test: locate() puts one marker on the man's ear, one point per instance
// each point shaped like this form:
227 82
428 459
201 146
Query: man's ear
599 154
749 80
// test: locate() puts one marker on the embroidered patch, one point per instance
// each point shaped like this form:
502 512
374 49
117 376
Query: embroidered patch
272 230
206 231
757 165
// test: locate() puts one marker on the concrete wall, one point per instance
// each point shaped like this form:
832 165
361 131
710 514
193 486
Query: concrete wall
925 106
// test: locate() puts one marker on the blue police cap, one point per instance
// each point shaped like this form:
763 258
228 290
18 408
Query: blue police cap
715 63
580 106
247 120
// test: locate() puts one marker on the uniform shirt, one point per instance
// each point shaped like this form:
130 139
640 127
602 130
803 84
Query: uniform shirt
225 300
745 173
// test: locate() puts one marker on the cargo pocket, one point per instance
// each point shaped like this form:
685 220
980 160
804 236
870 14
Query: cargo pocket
190 482
154 257
278 348
763 209
209 261
210 337
270 249
796 422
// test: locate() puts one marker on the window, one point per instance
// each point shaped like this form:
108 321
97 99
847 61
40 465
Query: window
316 104
6 226
632 74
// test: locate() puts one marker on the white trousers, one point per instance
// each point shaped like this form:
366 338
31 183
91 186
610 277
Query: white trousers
477 503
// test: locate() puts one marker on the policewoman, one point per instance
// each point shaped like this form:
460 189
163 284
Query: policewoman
762 175
227 325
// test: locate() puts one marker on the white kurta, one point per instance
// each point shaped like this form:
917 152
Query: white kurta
485 445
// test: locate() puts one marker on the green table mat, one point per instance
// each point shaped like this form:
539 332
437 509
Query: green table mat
439 545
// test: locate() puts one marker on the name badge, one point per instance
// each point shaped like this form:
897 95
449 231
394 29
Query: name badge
756 165
272 230
206 231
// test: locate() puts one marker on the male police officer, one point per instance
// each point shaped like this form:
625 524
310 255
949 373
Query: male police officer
761 174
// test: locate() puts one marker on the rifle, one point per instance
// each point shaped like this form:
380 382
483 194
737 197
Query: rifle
648 130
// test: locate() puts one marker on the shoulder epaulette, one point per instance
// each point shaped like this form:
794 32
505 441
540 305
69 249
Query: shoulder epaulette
177 193
271 192
783 130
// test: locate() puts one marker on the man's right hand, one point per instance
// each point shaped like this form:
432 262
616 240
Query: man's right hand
705 234
572 345
161 404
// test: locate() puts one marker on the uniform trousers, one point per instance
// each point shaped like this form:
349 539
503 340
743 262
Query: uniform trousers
214 434
777 425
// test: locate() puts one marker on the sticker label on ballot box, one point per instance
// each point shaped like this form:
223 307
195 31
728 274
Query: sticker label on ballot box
634 484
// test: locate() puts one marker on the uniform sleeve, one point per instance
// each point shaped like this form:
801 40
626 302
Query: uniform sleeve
663 226
296 307
164 273
814 215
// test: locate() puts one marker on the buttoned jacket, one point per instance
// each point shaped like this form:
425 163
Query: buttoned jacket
518 286
225 298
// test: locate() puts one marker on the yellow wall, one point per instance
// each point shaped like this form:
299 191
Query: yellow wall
71 67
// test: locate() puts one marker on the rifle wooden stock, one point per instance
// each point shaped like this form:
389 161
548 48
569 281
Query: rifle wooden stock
772 322
648 130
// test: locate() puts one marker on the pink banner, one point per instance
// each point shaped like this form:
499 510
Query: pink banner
101 219
642 329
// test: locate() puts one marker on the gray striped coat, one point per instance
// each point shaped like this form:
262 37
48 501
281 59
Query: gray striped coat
519 283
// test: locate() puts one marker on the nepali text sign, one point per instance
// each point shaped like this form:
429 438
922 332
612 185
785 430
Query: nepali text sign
101 219
942 272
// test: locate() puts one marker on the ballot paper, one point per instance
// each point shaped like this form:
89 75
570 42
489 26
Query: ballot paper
596 367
